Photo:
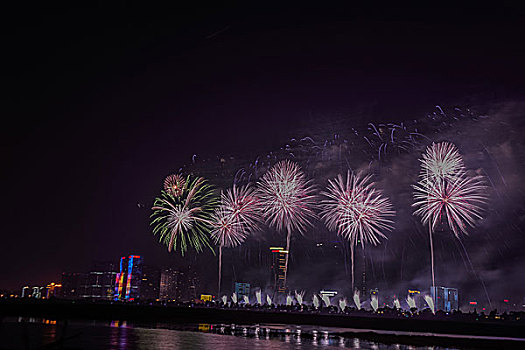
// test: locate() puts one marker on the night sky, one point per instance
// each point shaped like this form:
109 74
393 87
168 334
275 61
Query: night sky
101 103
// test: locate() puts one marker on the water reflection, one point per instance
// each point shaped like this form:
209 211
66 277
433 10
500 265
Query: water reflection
118 334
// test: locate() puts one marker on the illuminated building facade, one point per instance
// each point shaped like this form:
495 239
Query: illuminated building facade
445 299
206 297
53 290
170 285
99 283
242 289
278 269
37 292
129 279
26 292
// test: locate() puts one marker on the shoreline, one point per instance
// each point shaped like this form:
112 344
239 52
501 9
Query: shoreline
422 329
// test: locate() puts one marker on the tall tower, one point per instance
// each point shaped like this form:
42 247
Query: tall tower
278 270
128 280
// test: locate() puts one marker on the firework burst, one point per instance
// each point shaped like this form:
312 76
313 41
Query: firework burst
287 198
287 201
458 200
174 185
182 218
237 216
446 190
356 210
441 162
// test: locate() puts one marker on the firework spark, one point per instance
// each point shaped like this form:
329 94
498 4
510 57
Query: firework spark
287 198
441 162
182 218
236 217
174 185
356 210
459 200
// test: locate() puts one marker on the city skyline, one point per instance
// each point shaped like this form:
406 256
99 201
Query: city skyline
101 125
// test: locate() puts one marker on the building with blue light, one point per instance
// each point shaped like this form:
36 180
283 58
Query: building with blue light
242 289
445 299
128 280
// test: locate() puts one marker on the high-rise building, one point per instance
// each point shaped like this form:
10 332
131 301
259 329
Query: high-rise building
150 286
445 299
129 279
242 289
26 292
451 300
278 269
99 283
170 284
71 284
191 285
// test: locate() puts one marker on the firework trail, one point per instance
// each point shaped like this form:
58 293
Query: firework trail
181 215
397 304
326 300
342 304
315 301
430 303
374 303
445 190
356 210
357 302
236 217
411 302
299 297
289 300
287 200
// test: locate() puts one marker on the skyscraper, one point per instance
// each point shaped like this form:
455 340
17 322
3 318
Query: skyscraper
99 283
278 269
129 279
150 286
445 299
170 284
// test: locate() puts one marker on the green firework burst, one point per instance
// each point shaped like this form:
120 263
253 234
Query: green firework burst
182 218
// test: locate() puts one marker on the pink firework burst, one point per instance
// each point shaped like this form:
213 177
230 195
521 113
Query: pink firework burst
174 185
287 198
356 210
236 217
458 199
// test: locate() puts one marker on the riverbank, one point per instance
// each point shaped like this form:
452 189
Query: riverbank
463 326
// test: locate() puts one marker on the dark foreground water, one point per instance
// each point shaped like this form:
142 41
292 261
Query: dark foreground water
35 333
